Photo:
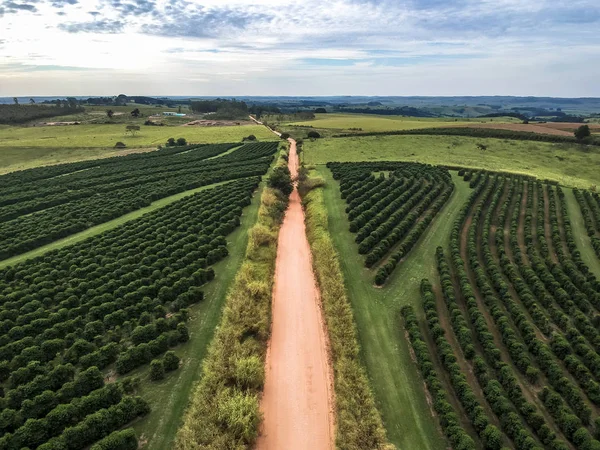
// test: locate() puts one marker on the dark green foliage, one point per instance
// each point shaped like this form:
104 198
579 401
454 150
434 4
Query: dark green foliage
448 417
118 440
281 180
157 370
312 134
170 361
25 113
37 206
120 297
390 214
582 132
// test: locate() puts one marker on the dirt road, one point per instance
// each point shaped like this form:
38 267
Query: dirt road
297 401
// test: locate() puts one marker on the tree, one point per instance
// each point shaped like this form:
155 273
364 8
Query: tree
181 141
121 100
135 112
313 135
16 100
320 111
110 113
582 132
281 179
32 101
170 361
132 129
171 142
285 136
157 370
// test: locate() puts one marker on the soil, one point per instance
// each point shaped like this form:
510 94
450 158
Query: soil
297 402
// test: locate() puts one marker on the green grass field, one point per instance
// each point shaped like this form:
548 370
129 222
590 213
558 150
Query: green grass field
398 388
106 135
570 165
368 122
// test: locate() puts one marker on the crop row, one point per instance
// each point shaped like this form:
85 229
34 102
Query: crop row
111 200
390 214
114 302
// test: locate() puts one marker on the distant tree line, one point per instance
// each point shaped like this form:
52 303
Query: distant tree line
400 111
12 114
480 133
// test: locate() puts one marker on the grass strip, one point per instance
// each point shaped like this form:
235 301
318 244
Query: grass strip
358 422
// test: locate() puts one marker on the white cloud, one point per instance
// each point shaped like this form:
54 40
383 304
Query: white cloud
262 47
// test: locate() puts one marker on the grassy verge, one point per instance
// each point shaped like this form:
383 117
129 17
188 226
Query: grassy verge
384 350
582 239
85 234
224 408
171 395
358 424
569 164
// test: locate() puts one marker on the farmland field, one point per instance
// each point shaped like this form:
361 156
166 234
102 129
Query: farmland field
475 293
387 123
570 165
81 322
106 135
43 205
509 315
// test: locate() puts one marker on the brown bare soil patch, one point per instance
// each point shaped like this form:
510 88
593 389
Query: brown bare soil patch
297 403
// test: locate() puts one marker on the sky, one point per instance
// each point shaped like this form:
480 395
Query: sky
300 47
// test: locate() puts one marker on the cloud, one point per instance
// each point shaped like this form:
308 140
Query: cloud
14 8
342 45
98 26
135 8
182 20
62 3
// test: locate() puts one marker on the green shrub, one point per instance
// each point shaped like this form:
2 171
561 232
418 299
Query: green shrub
170 361
157 370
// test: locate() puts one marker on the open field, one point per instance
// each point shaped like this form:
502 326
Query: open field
396 384
368 122
106 135
568 164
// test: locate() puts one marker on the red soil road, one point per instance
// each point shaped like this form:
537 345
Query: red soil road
297 402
